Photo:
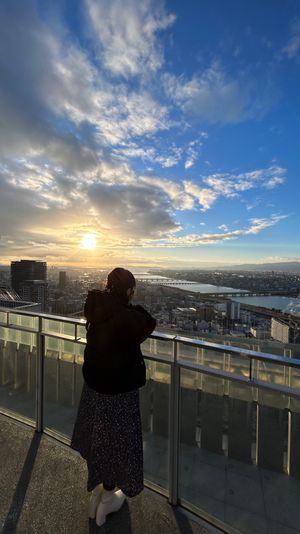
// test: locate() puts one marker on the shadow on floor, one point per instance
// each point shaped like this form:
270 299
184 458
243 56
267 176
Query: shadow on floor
12 518
183 523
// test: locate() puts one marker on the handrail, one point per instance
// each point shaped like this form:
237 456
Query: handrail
161 336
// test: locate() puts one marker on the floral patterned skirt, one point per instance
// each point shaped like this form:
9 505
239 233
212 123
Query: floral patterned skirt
108 435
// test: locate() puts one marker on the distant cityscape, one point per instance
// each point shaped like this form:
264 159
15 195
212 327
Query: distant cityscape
204 304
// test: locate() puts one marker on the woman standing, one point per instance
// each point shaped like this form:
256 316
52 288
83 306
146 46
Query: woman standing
107 431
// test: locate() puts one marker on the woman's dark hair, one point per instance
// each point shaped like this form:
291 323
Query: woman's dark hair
118 281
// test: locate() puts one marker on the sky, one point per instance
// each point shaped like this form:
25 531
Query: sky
149 133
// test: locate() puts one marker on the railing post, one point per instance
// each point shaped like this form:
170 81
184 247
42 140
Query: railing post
40 351
174 408
251 369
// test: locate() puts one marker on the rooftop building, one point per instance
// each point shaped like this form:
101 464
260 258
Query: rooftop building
10 299
282 330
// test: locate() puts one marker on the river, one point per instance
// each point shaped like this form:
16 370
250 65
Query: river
285 304
187 285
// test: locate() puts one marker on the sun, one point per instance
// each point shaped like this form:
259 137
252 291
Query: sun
88 241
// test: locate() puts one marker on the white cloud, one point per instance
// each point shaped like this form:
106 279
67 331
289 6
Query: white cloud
192 153
166 160
206 197
292 48
191 240
180 199
59 81
216 97
211 96
231 185
126 32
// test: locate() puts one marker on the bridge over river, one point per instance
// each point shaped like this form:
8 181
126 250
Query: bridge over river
230 293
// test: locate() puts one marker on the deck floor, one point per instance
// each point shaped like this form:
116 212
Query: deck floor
43 490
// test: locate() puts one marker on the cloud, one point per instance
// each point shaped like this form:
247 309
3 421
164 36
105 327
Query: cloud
231 185
191 240
216 97
210 96
132 212
205 196
292 47
192 152
55 102
181 200
61 117
126 33
73 122
166 160
167 155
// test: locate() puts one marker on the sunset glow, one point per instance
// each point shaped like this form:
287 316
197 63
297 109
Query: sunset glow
88 242
166 131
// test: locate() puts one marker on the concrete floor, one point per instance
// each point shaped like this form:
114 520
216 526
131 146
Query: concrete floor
43 490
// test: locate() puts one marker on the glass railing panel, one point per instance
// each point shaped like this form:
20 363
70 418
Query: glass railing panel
158 347
24 321
271 347
188 352
272 430
294 434
294 350
18 372
213 358
235 441
270 372
157 370
234 362
278 458
81 332
202 472
3 317
146 346
63 384
62 328
154 402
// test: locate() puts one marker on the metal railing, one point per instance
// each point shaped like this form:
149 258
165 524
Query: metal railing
12 319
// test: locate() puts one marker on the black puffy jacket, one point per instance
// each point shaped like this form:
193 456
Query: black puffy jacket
113 361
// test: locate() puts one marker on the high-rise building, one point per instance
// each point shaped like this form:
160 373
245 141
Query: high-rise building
35 291
27 270
62 280
233 310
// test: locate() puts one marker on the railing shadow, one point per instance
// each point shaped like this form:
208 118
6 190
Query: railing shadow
183 522
12 518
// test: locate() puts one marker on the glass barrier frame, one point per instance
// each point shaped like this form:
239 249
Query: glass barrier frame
176 362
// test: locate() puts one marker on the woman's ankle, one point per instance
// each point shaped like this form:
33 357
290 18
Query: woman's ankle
109 488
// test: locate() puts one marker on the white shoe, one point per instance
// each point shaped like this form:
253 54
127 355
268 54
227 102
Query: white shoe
111 501
94 500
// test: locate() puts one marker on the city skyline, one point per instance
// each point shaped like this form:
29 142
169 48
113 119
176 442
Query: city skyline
149 134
